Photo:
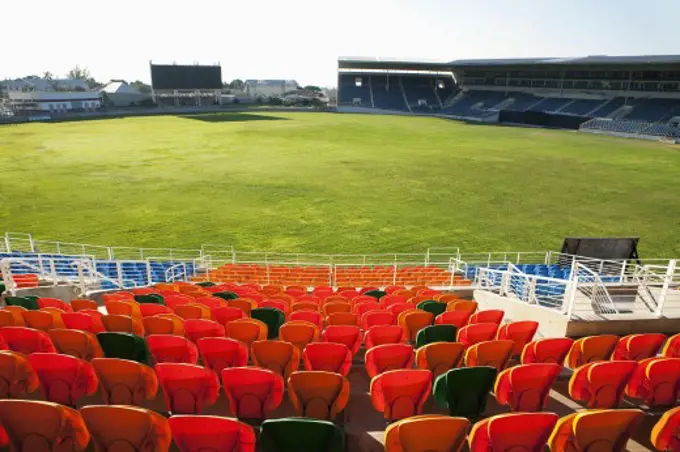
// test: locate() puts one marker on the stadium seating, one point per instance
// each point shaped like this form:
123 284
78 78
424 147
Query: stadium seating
387 93
594 430
328 356
439 357
166 348
318 394
64 379
590 349
198 433
656 381
526 387
464 391
666 433
300 434
188 388
219 353
125 382
636 347
426 432
435 333
402 393
124 346
514 431
601 384
349 335
548 350
386 357
252 392
27 340
17 376
278 356
495 353
479 332
671 348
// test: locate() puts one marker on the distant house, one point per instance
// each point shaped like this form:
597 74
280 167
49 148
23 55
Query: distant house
120 94
269 88
35 94
44 84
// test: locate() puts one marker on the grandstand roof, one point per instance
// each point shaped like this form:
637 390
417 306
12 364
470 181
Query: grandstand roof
119 87
270 82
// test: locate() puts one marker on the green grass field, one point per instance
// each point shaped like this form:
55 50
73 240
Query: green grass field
333 183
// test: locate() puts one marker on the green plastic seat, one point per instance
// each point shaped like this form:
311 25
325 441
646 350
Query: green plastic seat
272 317
435 333
151 298
205 284
2 288
301 434
29 302
226 295
376 294
124 346
435 307
464 391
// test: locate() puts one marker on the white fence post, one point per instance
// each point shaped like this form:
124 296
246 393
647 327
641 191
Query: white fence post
532 290
149 275
623 271
572 287
670 272
119 270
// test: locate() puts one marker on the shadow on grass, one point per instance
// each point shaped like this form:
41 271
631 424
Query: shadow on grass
231 117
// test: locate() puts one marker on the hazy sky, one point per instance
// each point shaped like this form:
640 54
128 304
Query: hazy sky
302 39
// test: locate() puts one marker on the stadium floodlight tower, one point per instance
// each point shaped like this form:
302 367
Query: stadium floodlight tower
174 85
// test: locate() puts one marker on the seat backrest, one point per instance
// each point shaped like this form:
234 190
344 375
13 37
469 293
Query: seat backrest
399 394
666 432
221 352
272 317
252 392
328 357
348 335
595 430
526 387
124 346
456 318
435 333
487 316
307 315
39 320
208 433
188 388
434 307
81 321
465 391
601 384
278 356
177 322
427 433
246 330
398 308
489 353
116 323
439 357
48 302
341 318
150 309
299 333
590 349
226 314
17 376
377 317
386 357
548 350
125 382
157 324
59 428
27 340
166 348
520 332
318 394
479 332
384 334
196 329
127 428
672 347
413 321
656 381
79 305
12 316
123 307
463 305
193 311
81 344
513 431
299 434
389 300
636 347
335 307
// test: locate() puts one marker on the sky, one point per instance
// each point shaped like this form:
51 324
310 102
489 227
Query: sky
302 39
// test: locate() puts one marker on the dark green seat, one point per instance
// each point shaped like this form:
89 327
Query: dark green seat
124 346
30 303
2 288
301 435
435 333
464 391
435 307
376 294
205 284
152 298
273 317
226 295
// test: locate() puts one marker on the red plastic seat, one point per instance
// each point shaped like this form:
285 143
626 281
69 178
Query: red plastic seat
308 316
672 347
252 392
151 309
17 376
63 378
549 350
54 303
383 358
456 318
601 384
474 334
520 332
79 305
512 432
666 432
83 320
402 393
211 433
398 308
636 347
348 335
167 348
591 349
211 302
362 308
384 334
389 300
526 387
222 352
328 357
276 304
188 388
488 316
226 314
656 381
125 382
196 329
377 317
27 340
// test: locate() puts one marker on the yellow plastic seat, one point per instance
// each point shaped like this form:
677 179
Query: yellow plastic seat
489 353
427 433
439 357
81 344
595 430
278 356
246 330
318 394
299 333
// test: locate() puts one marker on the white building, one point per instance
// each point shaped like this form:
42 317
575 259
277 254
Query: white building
54 101
120 94
269 88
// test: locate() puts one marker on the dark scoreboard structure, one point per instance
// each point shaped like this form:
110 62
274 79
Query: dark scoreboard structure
180 77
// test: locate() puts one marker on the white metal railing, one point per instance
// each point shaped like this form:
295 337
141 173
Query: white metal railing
177 272
532 289
590 284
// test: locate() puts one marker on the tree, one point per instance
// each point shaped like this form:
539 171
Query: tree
237 84
47 75
141 87
312 88
78 73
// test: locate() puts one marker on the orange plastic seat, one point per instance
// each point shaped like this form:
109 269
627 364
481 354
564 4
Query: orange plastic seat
43 320
413 321
304 306
488 316
402 393
348 335
226 314
193 311
308 316
299 333
489 353
384 334
79 305
336 307
596 430
167 348
479 332
123 307
125 382
27 340
427 432
177 324
466 306
520 332
81 344
246 330
439 357
252 392
656 381
7 319
377 317
672 347
526 387
456 318
188 388
278 356
151 309
115 323
17 377
341 318
548 350
211 433
636 347
36 426
591 349
601 384
328 357
83 320
158 325
63 378
383 358
196 329
114 427
16 314
318 394
666 432
512 432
